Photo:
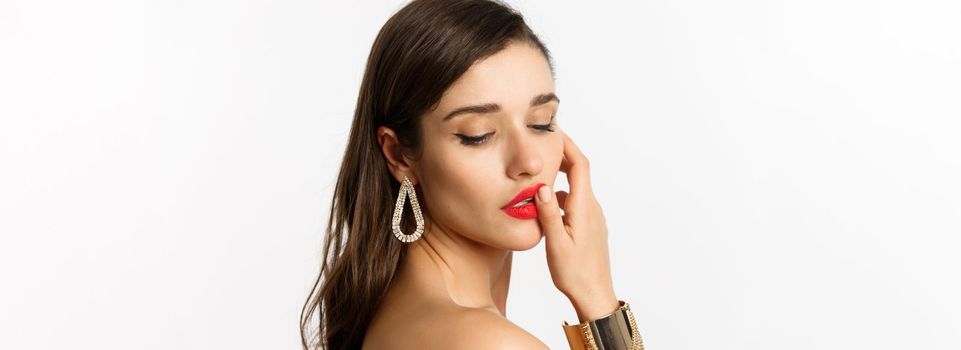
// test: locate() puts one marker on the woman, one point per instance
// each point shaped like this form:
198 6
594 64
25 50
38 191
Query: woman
457 116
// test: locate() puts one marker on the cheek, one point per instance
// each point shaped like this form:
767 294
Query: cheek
554 153
460 184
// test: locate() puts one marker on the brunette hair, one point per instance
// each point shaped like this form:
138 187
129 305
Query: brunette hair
418 53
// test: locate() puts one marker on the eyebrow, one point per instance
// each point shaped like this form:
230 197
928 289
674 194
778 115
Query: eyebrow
493 107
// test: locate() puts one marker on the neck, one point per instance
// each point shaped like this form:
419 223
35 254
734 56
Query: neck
470 273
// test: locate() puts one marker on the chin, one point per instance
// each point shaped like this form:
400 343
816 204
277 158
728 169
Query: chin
526 239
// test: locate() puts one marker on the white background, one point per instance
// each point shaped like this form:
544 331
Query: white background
775 174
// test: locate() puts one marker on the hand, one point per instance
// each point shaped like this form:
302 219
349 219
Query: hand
576 242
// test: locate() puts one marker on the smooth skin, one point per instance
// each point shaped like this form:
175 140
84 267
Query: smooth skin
450 290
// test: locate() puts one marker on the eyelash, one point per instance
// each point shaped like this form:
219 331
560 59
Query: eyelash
477 140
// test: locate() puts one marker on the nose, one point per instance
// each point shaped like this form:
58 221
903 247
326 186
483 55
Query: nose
523 157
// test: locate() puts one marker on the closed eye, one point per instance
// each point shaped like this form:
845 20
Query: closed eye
477 140
474 140
545 127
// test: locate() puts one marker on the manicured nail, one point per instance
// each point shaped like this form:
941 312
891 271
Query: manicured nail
544 193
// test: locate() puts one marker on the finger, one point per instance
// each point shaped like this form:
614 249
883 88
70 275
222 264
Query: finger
549 215
576 165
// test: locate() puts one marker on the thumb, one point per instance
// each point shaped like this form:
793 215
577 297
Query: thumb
549 215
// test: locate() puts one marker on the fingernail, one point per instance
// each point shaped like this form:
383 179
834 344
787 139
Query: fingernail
544 193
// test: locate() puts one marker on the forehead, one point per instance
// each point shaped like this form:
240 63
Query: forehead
511 77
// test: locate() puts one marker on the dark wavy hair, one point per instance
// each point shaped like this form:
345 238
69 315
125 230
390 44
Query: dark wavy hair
421 50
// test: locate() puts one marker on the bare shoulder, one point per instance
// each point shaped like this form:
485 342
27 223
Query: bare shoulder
426 323
448 327
482 329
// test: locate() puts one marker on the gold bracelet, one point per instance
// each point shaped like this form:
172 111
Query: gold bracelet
615 331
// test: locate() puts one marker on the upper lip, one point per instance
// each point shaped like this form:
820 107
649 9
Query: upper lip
523 194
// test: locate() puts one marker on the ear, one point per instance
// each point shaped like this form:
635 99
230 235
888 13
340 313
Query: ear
398 165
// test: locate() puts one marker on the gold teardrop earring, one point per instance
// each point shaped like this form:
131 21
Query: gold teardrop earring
407 189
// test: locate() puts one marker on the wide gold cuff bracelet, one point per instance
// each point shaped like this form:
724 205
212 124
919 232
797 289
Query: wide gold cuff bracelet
616 331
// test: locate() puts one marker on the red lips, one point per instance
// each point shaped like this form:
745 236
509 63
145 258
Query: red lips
527 211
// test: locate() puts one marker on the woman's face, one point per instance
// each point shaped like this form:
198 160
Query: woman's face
493 146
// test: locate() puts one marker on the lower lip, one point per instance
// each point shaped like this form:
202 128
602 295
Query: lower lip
526 211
